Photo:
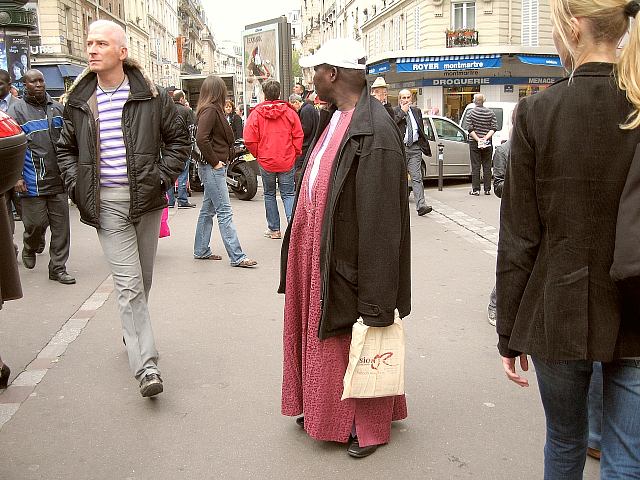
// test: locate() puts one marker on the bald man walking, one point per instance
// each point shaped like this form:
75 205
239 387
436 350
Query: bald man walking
121 190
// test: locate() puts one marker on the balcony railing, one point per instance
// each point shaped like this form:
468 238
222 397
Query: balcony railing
464 37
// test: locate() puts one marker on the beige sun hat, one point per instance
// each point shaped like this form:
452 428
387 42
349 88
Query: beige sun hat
379 82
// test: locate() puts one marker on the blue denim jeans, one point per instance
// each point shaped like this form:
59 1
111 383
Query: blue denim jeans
564 388
595 406
286 182
183 197
216 202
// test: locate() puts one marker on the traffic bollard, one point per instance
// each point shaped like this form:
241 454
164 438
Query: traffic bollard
440 166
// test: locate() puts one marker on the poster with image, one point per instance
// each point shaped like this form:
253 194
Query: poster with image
3 54
260 60
17 47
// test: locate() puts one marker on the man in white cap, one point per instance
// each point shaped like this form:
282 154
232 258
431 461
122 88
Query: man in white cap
345 254
379 89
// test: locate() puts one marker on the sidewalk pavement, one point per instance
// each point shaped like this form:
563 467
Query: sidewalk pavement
218 329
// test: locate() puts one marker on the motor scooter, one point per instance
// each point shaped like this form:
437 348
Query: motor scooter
242 178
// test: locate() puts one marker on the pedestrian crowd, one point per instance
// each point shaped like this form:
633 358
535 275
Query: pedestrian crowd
567 293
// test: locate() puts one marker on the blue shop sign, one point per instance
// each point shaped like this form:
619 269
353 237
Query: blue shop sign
429 65
476 81
379 68
550 61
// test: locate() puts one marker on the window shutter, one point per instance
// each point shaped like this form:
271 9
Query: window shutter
416 26
530 9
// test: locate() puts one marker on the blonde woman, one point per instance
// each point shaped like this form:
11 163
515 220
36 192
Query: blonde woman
571 149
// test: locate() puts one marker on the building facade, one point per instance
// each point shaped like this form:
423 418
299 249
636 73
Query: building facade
446 50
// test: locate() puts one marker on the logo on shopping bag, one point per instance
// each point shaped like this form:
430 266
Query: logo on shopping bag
375 362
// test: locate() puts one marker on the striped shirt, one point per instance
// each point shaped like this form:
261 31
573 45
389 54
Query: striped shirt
481 120
113 154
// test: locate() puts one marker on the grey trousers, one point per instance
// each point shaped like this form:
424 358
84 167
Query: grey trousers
37 214
414 163
130 249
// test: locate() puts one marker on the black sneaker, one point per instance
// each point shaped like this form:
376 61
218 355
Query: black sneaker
186 205
474 192
151 385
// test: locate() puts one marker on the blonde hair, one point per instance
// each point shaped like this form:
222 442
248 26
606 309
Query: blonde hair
112 27
609 21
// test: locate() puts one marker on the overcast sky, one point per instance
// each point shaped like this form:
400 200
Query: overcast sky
229 21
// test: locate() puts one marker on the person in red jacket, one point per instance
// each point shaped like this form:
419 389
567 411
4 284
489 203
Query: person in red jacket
273 134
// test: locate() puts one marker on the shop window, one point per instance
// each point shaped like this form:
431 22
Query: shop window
463 15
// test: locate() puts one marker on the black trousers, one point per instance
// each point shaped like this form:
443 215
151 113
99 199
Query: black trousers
37 214
480 157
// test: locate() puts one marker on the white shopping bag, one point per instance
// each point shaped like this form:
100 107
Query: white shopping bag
376 361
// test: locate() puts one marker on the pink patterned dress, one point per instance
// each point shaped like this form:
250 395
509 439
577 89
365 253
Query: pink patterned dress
313 369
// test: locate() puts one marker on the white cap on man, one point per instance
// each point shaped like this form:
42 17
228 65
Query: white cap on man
338 52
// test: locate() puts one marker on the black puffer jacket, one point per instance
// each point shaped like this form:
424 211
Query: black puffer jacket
156 142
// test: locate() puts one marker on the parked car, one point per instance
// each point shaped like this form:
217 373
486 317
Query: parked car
503 111
442 130
13 145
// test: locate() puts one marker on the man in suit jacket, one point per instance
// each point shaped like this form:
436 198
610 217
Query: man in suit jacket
409 120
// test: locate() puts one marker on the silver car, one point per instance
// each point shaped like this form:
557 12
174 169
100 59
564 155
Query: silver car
441 130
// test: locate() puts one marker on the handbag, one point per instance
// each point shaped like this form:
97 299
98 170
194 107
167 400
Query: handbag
376 361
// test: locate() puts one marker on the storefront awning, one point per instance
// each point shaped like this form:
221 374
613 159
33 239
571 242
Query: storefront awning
445 63
54 75
549 61
378 68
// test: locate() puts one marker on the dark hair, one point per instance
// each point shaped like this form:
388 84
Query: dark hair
213 91
5 74
271 89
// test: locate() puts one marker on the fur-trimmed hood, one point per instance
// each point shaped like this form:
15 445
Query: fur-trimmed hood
129 66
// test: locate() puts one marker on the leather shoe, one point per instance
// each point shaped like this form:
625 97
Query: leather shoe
43 244
300 421
63 278
355 450
151 385
424 210
5 371
28 259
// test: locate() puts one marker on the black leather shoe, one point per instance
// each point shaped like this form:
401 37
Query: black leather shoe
424 210
151 385
300 421
5 371
28 259
63 278
355 450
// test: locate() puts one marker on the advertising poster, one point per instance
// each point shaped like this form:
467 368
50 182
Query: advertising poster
17 48
3 54
260 60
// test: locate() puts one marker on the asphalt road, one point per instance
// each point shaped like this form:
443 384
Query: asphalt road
76 413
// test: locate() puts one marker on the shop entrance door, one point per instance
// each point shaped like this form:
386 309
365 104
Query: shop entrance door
455 99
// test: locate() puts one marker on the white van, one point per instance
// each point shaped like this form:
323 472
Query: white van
503 111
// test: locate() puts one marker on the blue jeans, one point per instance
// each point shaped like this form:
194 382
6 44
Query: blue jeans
595 406
286 182
216 202
183 197
564 388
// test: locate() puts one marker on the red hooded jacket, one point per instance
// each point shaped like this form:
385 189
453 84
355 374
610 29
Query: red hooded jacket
273 134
